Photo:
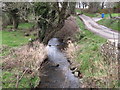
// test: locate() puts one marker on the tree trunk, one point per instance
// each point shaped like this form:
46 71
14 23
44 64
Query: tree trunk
110 13
102 5
72 7
60 23
15 22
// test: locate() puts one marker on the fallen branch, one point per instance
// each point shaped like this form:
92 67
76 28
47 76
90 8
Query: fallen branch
18 79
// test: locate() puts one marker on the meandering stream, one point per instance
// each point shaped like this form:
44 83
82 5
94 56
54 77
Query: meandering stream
56 71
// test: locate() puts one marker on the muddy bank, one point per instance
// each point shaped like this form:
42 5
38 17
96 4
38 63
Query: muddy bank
55 70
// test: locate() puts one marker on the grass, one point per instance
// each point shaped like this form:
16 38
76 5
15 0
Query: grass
113 15
10 79
13 38
9 40
89 55
106 21
23 26
95 68
92 14
90 45
98 14
78 11
110 23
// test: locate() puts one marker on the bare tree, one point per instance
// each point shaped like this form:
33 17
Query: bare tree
72 6
16 10
94 6
103 4
51 18
110 5
84 4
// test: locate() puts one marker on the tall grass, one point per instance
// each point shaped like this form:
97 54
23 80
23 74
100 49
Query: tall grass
92 65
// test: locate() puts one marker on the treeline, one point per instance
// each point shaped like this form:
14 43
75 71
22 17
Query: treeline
102 7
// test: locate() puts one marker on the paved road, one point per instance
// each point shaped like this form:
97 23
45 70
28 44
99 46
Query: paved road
99 29
96 19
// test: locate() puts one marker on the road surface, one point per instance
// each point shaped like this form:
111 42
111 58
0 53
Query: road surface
96 19
99 29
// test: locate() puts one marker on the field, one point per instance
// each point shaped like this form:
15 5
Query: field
10 40
110 23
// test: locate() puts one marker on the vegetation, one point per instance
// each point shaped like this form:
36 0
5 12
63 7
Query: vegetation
89 56
15 38
110 23
90 45
12 39
22 26
93 14
106 21
10 80
50 18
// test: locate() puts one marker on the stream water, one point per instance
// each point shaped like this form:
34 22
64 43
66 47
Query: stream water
56 71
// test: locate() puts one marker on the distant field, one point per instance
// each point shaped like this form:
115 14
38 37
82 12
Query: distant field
107 21
110 23
98 14
13 38
16 38
22 26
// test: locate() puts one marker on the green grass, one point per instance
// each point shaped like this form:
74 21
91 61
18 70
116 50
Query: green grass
90 46
110 23
10 79
92 14
13 38
113 15
98 14
92 64
89 55
78 11
9 40
22 26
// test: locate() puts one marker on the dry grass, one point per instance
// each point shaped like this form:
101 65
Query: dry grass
25 57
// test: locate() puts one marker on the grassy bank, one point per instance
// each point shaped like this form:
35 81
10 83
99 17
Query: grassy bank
94 67
91 61
110 23
15 38
12 39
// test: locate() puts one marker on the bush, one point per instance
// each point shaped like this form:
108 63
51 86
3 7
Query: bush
106 10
